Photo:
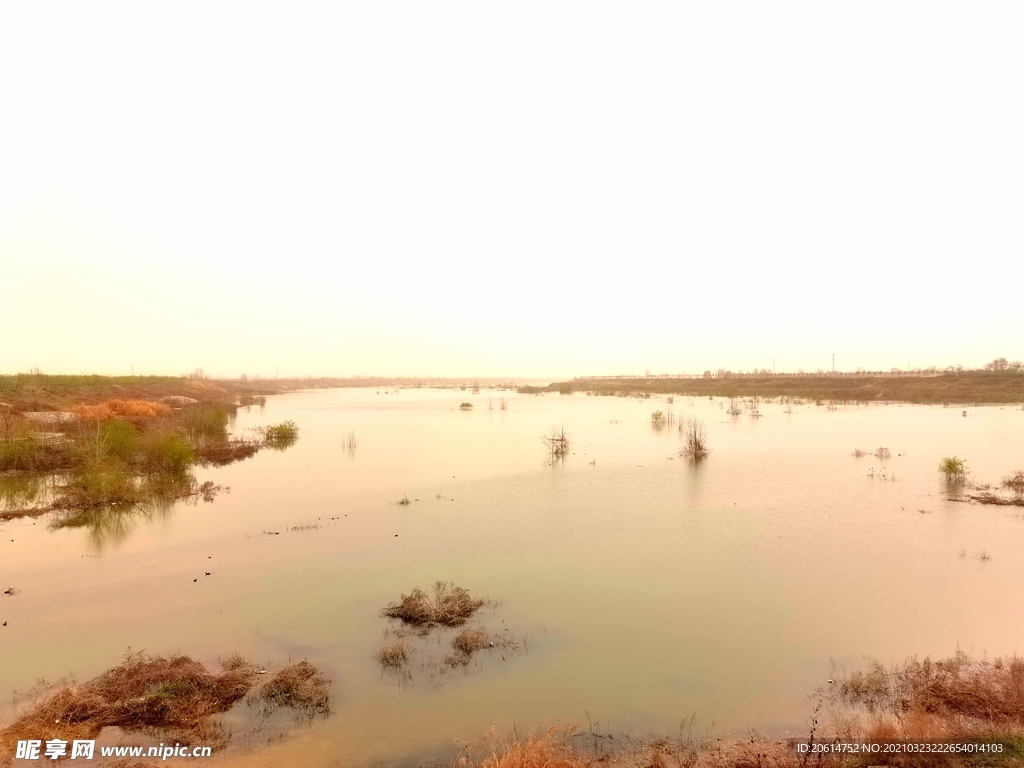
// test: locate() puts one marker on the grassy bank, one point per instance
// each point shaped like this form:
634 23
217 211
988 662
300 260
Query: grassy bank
118 453
958 388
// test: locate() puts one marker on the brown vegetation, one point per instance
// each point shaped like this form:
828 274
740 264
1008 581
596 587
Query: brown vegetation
471 640
395 653
576 748
950 698
112 409
301 687
992 498
449 606
468 641
174 694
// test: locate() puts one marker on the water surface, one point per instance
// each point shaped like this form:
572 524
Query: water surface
645 588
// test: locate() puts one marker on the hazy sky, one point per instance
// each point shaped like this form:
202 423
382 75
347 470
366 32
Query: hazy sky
528 188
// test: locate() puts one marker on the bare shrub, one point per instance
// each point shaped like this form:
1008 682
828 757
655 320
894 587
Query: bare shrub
695 440
557 442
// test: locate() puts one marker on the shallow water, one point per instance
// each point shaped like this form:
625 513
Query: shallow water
641 588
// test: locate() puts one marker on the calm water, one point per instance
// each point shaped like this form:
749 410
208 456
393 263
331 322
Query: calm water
645 588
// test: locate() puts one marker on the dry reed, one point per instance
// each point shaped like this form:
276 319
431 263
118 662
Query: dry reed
449 606
173 693
112 409
301 687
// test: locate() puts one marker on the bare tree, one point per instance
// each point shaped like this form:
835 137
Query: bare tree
557 442
8 422
695 440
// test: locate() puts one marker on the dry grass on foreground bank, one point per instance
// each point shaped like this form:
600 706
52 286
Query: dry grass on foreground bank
575 748
959 698
171 697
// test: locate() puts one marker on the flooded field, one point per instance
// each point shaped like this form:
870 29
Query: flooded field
624 583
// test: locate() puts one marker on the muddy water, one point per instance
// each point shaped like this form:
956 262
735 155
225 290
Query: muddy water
640 588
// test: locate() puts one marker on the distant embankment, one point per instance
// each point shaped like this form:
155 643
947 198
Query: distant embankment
41 392
964 387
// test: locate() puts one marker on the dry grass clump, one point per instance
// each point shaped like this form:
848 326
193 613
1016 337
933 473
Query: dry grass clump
468 641
511 752
142 693
449 606
302 687
394 654
112 409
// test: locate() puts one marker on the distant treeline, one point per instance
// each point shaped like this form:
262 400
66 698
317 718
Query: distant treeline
1001 385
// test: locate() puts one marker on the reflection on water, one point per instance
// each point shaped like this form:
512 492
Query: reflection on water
649 587
27 491
109 525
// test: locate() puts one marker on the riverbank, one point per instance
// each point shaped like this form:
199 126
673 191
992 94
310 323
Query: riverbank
966 387
42 392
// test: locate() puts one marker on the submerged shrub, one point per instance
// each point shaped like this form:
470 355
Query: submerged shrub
954 469
1015 482
100 484
166 452
695 440
17 454
118 440
205 420
280 435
